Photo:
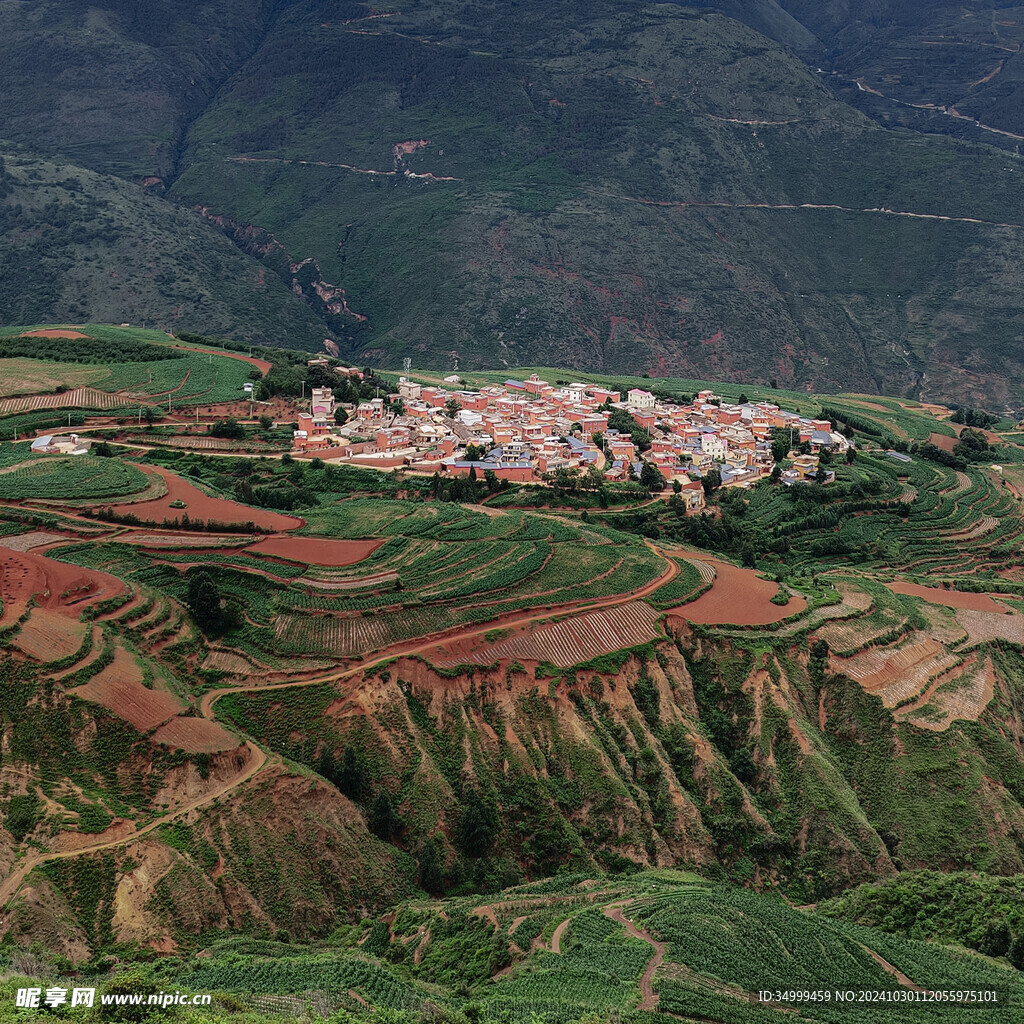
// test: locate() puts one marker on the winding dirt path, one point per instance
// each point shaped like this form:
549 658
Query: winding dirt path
556 936
648 997
878 210
12 884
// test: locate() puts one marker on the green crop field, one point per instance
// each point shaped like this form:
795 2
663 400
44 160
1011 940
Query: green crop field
81 476
446 960
137 364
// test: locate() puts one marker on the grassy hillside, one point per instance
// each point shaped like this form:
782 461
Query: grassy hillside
620 188
81 246
668 132
646 949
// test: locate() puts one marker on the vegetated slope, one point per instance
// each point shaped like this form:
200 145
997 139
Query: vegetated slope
618 191
936 67
113 85
82 246
570 948
603 186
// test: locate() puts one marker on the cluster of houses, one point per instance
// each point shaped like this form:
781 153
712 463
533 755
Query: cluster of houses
526 430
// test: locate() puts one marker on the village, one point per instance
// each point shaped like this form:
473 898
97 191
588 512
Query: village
530 431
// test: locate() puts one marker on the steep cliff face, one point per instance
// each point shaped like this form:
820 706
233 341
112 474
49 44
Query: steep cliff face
746 762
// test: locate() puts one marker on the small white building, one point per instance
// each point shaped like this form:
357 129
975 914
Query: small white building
640 399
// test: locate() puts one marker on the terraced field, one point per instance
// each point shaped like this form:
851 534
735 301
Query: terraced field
575 640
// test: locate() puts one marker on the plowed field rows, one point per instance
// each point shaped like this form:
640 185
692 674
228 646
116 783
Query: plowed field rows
181 540
853 634
50 636
959 695
896 673
226 661
331 635
196 735
28 541
705 568
575 640
982 626
76 398
119 688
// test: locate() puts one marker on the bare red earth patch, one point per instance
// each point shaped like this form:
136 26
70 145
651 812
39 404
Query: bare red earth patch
54 585
738 597
317 550
201 506
54 332
196 735
119 689
950 598
942 441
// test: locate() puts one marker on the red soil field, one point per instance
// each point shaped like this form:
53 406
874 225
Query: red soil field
56 586
261 364
201 506
738 597
53 332
942 441
149 539
196 735
49 635
317 550
950 598
119 688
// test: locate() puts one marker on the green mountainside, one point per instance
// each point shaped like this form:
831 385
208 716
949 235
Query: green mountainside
77 245
607 186
936 67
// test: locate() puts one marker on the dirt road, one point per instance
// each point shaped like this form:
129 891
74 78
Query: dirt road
648 997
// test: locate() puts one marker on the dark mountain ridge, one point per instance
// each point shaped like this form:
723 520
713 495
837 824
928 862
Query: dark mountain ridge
606 186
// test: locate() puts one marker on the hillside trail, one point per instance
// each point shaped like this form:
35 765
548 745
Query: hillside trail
12 884
419 645
890 969
556 935
648 997
877 210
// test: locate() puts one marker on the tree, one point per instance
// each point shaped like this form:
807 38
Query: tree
431 868
742 400
478 825
776 473
103 450
711 481
349 776
228 428
851 454
651 478
677 487
474 453
266 422
340 417
996 940
452 407
780 443
203 601
620 420
384 821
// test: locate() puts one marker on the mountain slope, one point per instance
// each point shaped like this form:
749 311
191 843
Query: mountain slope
80 245
608 194
606 186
